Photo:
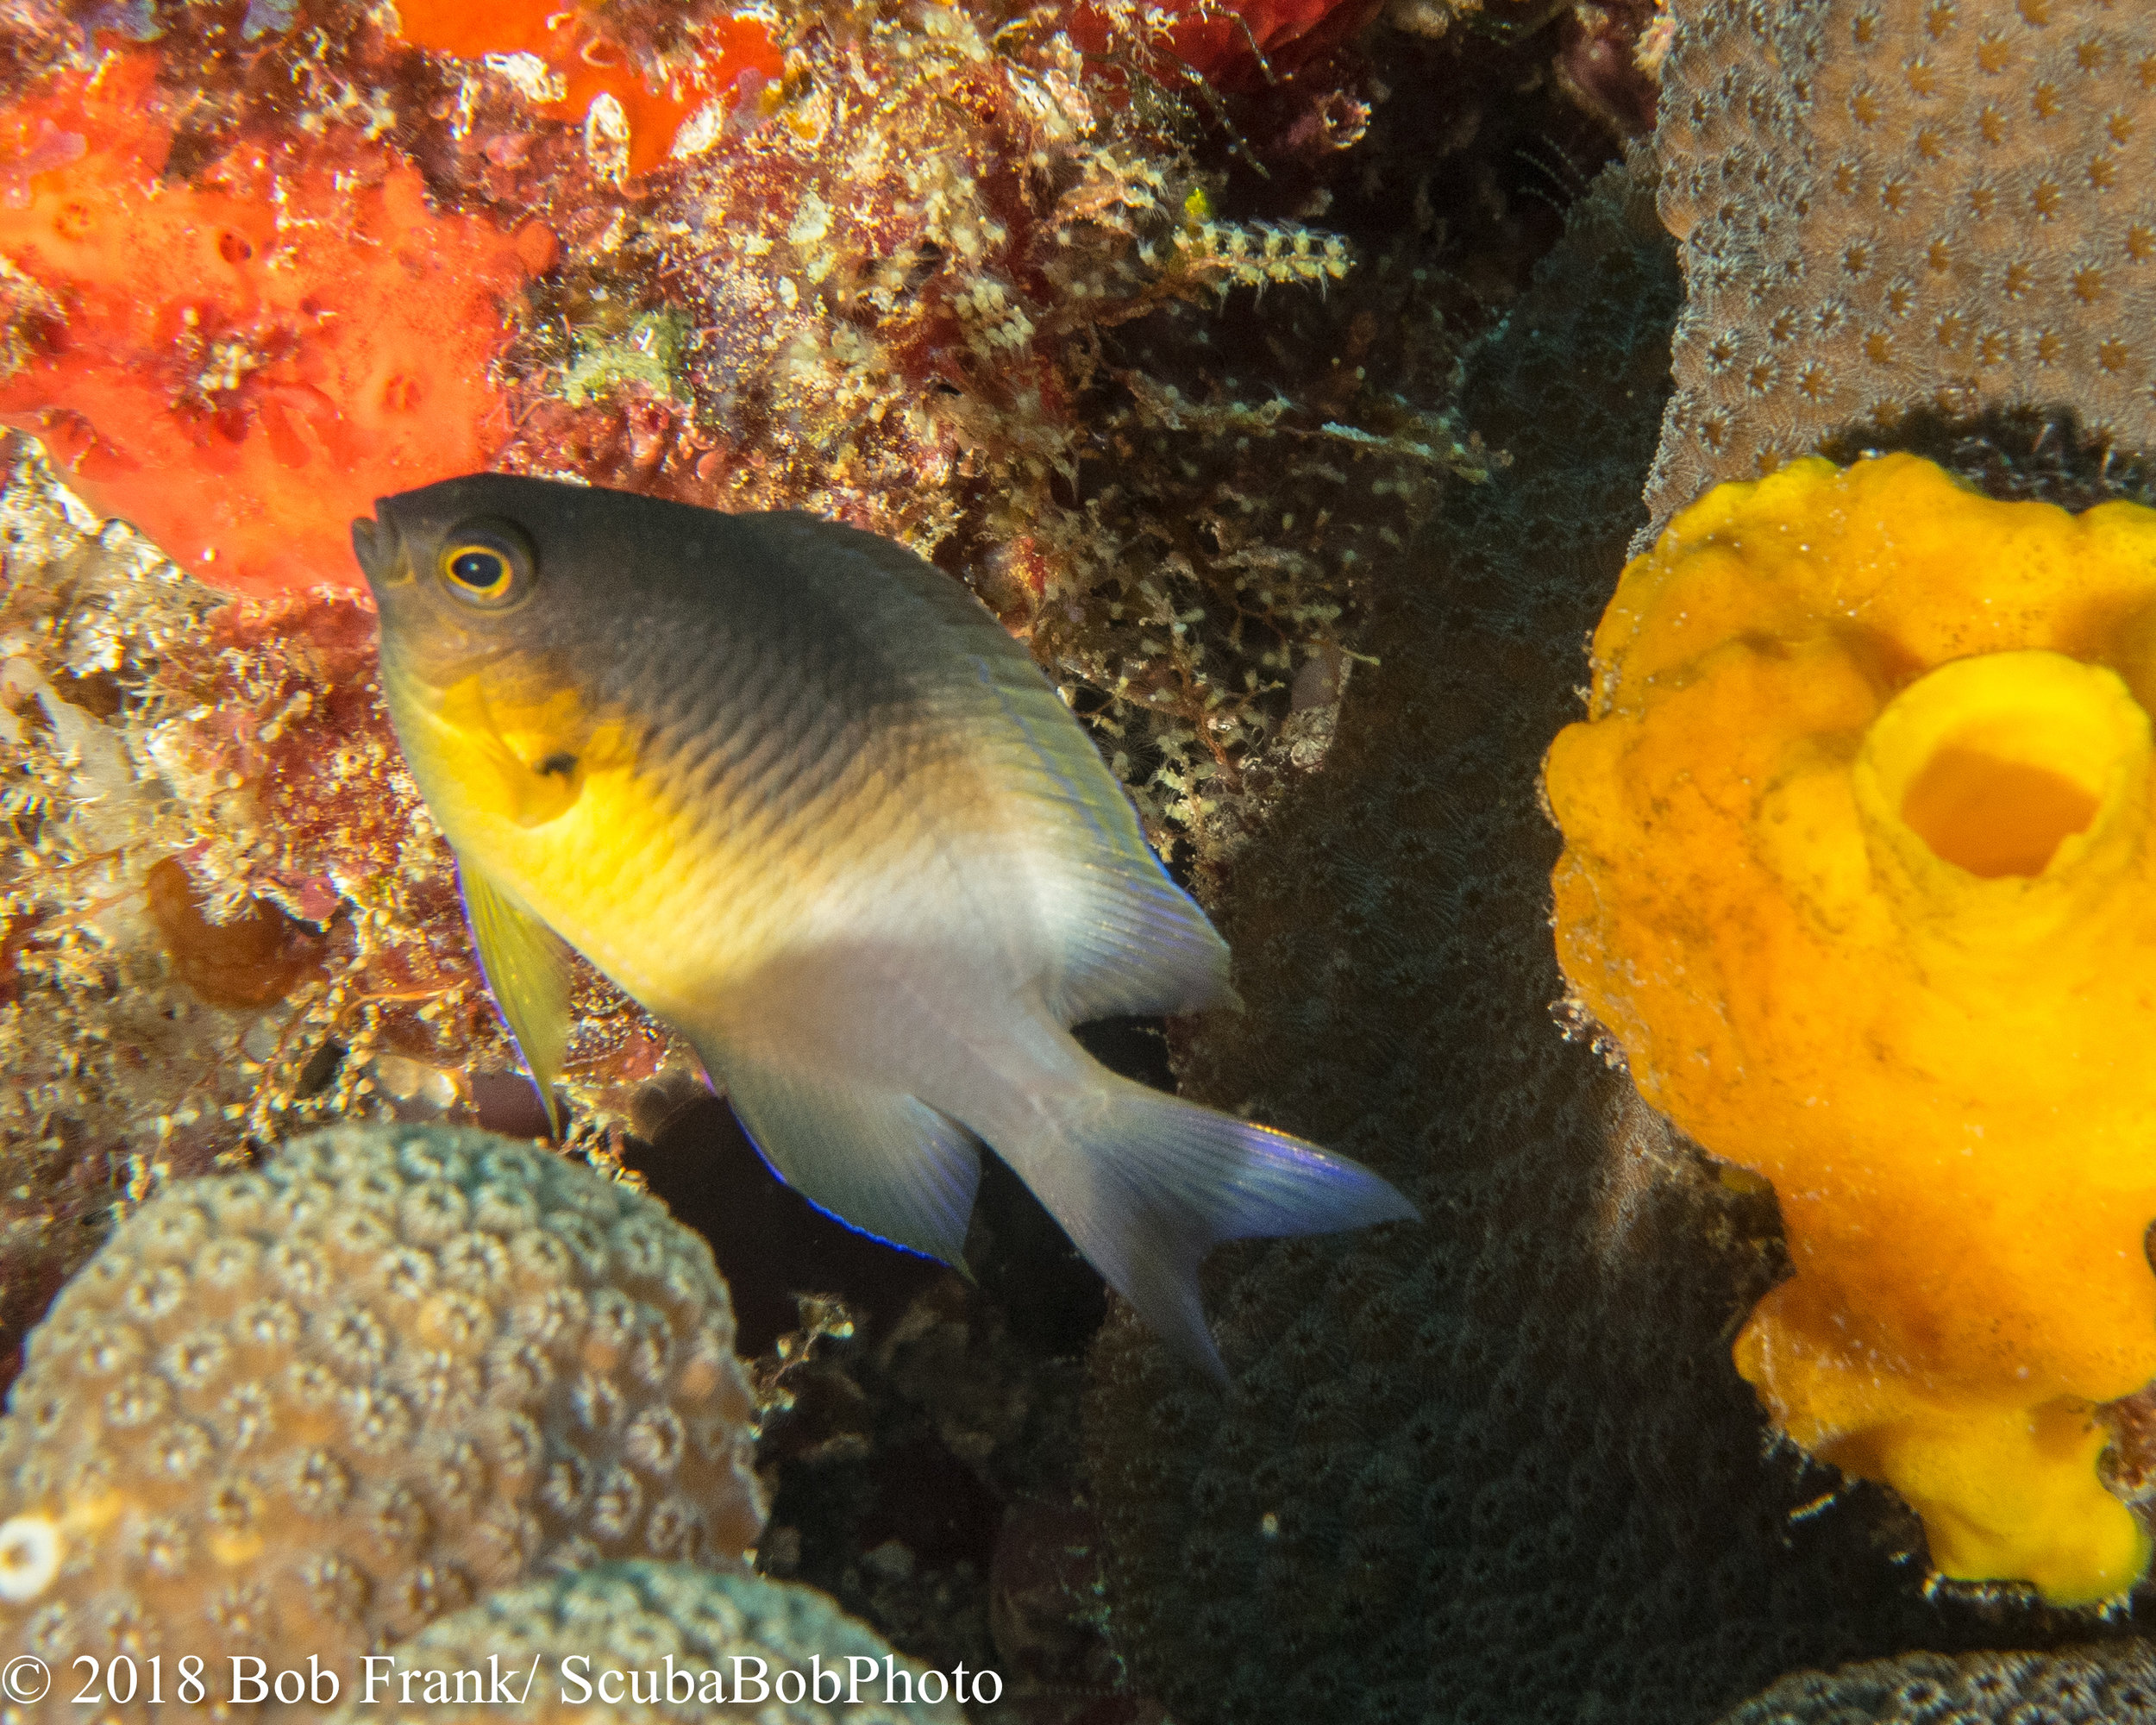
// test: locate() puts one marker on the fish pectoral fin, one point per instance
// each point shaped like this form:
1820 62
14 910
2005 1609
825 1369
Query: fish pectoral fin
538 748
540 780
527 967
879 1161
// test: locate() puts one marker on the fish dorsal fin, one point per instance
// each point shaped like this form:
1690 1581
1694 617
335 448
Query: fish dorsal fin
879 1161
527 967
1126 939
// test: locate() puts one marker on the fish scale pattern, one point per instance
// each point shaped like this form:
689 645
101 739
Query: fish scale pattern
309 1409
1496 1467
1889 204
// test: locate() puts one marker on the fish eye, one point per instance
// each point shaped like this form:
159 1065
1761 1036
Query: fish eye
480 568
487 563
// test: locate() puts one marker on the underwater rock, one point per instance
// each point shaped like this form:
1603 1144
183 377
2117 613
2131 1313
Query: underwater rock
2095 1685
1901 205
1497 1466
885 286
666 1618
1856 833
305 1409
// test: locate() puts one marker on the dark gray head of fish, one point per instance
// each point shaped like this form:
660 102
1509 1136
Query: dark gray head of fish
458 577
490 566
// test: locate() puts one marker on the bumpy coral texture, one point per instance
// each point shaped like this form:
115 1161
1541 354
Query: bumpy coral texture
635 1617
1887 204
305 1409
2089 1686
1856 835
1494 1467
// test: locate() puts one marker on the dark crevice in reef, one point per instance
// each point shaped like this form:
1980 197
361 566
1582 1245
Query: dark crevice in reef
922 1451
2016 454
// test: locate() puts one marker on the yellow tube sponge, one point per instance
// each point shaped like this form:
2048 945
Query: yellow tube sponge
1858 871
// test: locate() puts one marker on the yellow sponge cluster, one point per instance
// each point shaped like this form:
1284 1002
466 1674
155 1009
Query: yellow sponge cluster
1858 871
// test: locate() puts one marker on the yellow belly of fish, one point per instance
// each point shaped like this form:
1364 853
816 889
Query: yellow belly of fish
637 883
681 905
677 903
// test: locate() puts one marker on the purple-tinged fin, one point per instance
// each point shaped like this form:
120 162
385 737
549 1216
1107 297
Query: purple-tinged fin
1146 1185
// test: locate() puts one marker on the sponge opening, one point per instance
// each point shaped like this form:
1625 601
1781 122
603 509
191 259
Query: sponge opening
2005 765
1993 815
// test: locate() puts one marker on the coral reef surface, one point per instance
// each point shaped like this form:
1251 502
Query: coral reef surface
1893 204
299 1411
1856 834
2093 1685
960 282
652 1644
1497 1466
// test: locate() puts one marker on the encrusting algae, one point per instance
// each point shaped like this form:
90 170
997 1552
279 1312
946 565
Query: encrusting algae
1857 874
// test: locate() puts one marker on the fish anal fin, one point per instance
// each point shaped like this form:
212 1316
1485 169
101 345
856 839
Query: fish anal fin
879 1161
527 968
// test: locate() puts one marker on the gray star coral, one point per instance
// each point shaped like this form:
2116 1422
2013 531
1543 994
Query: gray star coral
307 1409
1893 204
1496 1466
2089 1685
649 1622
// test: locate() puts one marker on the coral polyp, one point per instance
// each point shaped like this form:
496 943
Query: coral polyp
1858 874
307 1409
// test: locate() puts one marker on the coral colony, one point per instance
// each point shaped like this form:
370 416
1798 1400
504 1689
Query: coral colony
1299 381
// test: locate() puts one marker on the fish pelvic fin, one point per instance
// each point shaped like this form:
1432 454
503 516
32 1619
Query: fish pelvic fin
527 968
1146 1184
879 1161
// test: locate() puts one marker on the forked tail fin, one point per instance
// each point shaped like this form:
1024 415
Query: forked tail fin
1146 1185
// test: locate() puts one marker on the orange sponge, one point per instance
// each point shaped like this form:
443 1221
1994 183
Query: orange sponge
240 362
1859 871
592 50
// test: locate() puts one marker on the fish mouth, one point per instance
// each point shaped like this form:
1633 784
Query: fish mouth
380 550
